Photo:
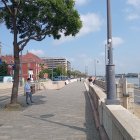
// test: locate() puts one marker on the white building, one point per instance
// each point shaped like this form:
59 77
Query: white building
54 62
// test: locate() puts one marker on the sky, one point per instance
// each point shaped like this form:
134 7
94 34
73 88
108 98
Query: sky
87 48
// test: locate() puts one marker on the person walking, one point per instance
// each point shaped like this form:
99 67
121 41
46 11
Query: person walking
27 89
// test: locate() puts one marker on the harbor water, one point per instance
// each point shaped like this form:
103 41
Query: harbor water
135 81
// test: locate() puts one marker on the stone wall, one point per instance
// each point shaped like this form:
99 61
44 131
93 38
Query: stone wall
118 122
124 92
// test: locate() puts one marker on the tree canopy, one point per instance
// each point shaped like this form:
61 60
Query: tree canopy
3 69
36 19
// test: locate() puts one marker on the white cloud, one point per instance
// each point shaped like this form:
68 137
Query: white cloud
135 3
133 12
116 41
37 52
81 2
91 23
133 16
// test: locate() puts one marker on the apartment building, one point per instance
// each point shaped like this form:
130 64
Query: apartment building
54 62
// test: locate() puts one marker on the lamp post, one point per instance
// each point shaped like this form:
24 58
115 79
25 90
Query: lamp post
110 67
21 84
52 69
95 66
86 71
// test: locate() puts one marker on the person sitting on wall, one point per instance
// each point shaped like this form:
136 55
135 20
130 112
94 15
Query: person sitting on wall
90 79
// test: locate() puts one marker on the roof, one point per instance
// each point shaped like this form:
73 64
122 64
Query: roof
29 57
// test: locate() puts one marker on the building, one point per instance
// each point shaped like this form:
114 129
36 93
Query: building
30 64
54 62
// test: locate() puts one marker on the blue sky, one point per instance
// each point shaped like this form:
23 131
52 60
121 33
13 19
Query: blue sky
89 44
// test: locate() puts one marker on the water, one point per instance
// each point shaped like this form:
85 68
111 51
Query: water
135 81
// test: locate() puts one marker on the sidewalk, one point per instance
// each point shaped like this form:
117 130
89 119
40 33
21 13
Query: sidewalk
56 115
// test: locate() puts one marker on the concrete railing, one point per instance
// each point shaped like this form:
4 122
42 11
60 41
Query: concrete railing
124 92
52 85
101 84
42 85
118 122
38 85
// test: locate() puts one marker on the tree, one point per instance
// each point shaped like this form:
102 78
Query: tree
59 70
34 20
43 72
3 69
69 73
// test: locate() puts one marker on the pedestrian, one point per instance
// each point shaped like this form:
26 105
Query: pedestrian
27 89
90 79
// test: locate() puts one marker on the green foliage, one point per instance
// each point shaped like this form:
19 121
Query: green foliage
3 69
69 73
37 19
42 72
76 73
60 70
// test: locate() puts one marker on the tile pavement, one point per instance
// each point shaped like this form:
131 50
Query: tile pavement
63 114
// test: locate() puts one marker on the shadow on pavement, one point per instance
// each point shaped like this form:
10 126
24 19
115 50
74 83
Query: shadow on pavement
38 99
58 123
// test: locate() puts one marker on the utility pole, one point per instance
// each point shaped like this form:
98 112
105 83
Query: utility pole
52 69
95 66
21 84
110 67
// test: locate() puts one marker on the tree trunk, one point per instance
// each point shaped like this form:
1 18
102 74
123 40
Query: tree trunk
14 94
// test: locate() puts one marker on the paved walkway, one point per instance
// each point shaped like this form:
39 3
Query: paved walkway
56 115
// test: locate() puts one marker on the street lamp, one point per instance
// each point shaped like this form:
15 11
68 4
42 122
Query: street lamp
21 83
52 69
86 71
110 67
95 66
95 62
